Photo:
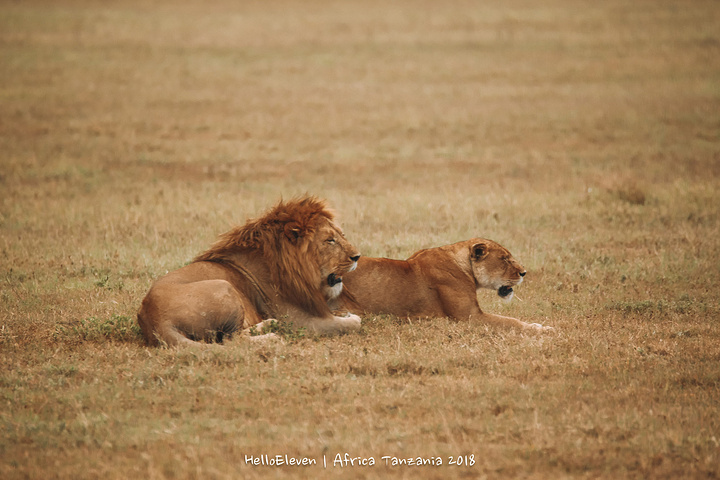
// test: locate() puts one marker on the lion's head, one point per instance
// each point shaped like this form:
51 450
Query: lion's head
494 267
305 251
336 257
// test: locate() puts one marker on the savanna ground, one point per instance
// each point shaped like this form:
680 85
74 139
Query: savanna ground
584 136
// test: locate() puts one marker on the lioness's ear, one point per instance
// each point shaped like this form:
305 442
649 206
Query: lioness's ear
479 250
292 231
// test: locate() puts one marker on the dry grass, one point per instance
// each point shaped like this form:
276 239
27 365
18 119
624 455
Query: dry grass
584 136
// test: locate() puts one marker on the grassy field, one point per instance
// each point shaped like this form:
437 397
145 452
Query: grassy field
584 136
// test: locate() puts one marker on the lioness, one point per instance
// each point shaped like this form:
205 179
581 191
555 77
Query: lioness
288 263
437 282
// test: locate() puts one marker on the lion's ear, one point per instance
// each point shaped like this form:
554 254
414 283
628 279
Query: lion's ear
479 250
292 231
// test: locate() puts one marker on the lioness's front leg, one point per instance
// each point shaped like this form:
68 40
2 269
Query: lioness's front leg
510 322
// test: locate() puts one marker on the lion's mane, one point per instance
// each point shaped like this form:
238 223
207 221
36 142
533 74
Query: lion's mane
285 238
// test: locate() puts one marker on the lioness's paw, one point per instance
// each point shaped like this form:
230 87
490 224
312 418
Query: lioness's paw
536 327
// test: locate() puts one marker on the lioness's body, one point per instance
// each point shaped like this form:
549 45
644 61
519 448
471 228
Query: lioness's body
287 264
436 282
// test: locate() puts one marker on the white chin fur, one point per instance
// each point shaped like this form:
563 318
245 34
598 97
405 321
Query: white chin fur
354 266
334 291
508 298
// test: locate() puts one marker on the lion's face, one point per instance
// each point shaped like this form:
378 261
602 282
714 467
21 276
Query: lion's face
336 257
495 268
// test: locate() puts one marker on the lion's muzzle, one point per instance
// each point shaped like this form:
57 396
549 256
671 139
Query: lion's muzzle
333 279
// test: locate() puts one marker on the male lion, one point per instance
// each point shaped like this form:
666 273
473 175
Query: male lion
437 282
289 262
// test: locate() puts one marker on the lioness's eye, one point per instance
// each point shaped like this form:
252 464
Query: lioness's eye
331 241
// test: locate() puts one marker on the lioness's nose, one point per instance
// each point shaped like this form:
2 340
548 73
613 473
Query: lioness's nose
355 258
522 274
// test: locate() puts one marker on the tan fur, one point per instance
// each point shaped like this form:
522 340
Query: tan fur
436 282
276 266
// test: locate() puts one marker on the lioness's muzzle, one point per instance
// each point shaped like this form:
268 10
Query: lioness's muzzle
504 291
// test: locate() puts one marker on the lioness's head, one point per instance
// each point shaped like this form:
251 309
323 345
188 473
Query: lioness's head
494 267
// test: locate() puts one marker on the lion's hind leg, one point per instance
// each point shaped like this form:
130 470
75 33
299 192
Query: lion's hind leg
175 314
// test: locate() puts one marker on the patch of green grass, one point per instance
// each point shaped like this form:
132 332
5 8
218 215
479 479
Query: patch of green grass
118 328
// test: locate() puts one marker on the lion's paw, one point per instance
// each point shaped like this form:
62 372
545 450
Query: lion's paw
350 322
259 328
265 338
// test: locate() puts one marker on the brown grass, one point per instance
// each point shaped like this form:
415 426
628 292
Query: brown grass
583 136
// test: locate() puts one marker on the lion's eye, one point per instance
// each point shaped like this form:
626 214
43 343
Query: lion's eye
331 241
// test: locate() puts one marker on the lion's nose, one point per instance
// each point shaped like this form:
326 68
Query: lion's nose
522 274
355 258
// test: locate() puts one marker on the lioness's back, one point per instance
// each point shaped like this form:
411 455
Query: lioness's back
384 285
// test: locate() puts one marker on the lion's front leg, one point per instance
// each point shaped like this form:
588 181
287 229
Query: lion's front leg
331 325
